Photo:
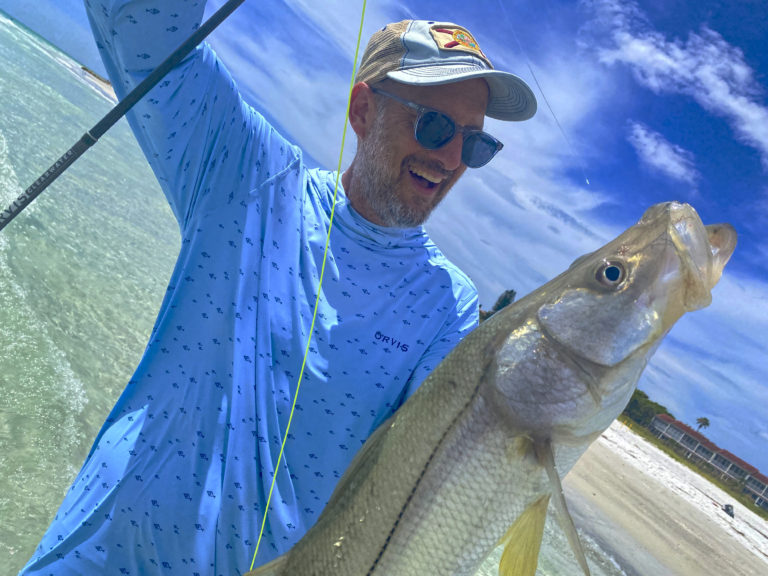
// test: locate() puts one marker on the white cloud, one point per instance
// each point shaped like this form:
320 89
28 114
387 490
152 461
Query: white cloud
524 218
661 155
704 67
713 363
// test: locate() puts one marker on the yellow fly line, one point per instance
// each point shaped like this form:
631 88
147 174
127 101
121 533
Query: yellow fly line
319 288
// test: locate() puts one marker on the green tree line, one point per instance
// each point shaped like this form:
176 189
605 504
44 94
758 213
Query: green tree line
642 409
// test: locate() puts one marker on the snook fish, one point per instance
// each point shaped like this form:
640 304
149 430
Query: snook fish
473 458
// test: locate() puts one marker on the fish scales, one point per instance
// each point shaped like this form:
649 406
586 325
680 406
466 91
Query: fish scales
509 412
403 491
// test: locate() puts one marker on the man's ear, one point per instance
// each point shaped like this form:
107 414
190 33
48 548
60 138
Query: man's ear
362 109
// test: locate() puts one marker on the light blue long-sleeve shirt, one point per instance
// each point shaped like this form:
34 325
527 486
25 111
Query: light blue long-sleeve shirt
177 479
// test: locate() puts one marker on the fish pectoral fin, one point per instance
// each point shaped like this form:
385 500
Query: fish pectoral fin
546 458
523 541
274 568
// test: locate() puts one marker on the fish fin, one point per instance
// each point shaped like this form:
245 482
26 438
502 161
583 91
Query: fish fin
523 541
274 568
546 458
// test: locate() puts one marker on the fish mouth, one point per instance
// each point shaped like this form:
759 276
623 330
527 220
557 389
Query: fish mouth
722 240
703 251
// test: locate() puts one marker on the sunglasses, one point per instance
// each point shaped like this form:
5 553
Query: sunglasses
434 129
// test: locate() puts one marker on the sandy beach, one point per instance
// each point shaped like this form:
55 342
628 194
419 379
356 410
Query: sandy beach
657 517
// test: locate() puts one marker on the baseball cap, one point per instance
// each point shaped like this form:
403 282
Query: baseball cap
429 53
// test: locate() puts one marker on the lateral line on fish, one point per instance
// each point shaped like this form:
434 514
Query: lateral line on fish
416 485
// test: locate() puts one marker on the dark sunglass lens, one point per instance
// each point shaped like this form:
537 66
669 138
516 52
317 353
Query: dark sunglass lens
434 129
478 149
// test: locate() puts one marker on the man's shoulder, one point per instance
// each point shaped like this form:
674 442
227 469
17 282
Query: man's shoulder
451 288
440 261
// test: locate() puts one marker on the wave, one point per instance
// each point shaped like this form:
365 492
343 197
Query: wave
31 362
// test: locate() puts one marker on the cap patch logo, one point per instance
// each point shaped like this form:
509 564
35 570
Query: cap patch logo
464 39
452 37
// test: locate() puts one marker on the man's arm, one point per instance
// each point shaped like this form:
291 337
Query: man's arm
203 142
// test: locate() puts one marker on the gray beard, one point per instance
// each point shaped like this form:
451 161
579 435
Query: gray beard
378 187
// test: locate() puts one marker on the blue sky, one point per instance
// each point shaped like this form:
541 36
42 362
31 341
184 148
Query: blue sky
639 102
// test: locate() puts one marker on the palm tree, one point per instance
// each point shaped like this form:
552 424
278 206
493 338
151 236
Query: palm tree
702 423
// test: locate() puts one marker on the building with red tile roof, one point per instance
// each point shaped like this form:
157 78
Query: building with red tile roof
699 447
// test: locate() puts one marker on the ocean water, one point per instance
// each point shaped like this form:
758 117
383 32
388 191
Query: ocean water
82 274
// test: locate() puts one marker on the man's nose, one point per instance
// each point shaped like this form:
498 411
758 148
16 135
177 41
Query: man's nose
449 155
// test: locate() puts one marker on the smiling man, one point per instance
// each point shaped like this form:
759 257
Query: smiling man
423 90
178 477
394 180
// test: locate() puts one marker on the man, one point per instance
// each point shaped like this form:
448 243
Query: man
178 477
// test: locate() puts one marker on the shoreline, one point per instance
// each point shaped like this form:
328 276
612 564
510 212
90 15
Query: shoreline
654 516
93 79
102 85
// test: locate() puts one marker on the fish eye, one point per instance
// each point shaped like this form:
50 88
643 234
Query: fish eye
611 274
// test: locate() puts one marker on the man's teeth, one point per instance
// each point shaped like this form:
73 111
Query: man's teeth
428 177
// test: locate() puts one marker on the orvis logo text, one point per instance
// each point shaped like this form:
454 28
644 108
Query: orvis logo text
402 346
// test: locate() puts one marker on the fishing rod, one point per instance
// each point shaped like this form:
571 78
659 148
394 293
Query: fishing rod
91 136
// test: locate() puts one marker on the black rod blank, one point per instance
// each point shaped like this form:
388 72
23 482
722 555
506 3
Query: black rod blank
91 136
